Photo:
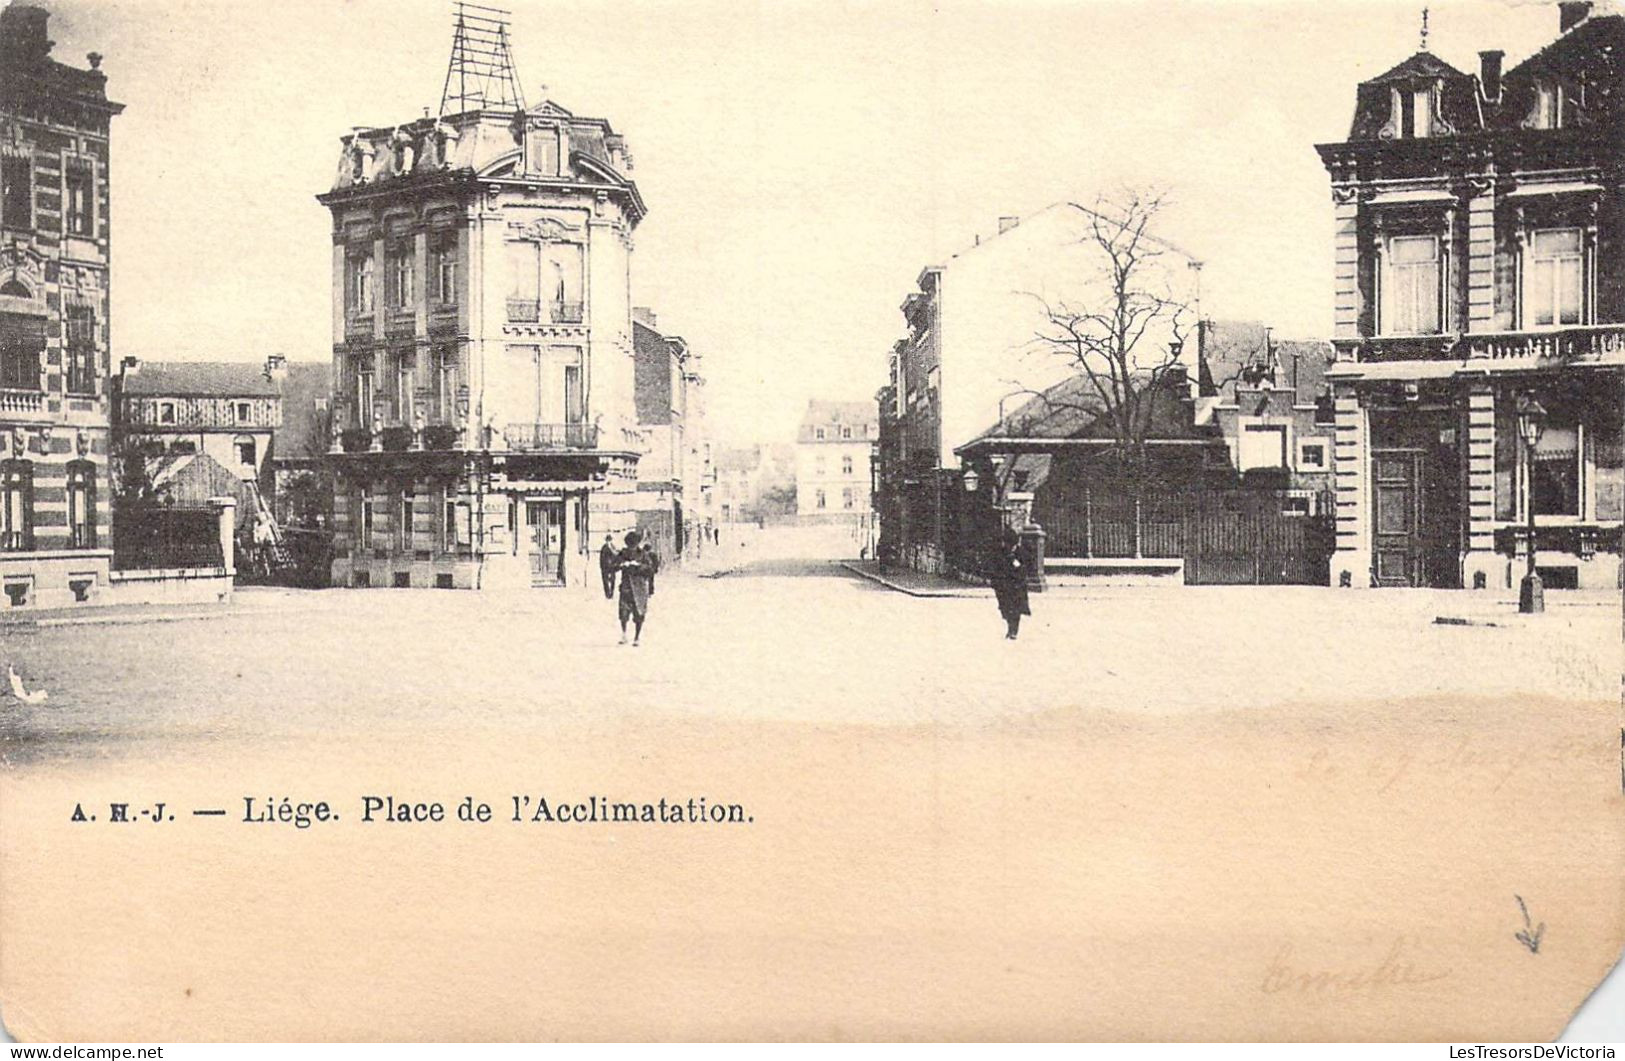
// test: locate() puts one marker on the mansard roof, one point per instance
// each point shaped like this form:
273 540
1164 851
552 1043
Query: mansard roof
1420 65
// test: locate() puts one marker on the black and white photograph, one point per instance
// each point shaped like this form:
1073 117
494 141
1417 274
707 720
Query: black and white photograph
910 520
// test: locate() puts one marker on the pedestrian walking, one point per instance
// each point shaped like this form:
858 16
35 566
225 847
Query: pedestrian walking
1007 574
608 557
636 566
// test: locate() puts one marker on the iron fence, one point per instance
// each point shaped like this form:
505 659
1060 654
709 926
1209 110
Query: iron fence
148 538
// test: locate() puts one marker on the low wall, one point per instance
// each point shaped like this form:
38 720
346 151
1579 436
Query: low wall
53 579
176 585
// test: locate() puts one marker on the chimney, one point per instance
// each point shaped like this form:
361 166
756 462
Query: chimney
130 366
276 368
1008 223
1489 73
1571 13
23 35
645 316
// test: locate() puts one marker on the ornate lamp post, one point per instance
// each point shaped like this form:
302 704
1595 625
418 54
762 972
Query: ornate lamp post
1531 424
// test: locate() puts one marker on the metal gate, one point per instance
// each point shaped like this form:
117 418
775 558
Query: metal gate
1245 537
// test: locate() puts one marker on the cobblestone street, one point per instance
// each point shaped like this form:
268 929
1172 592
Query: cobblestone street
911 777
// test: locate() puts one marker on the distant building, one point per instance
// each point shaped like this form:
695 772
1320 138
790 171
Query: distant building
1480 272
672 474
228 410
56 525
833 449
1271 402
755 483
256 423
483 353
969 359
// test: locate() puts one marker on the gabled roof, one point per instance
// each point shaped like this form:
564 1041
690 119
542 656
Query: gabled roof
1422 64
201 379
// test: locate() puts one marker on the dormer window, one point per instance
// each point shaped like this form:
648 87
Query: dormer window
1415 106
1550 102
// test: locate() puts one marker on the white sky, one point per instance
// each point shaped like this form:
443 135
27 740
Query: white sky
801 161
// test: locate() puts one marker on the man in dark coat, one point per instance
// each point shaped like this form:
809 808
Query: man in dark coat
1007 574
637 566
607 559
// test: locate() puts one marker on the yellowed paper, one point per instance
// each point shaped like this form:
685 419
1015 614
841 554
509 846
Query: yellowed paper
818 800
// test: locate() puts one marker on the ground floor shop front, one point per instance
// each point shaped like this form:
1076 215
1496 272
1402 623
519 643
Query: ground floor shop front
1438 475
478 520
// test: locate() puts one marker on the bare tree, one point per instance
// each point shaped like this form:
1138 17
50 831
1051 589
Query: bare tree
1122 333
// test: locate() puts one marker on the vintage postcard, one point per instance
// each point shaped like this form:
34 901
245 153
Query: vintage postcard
920 519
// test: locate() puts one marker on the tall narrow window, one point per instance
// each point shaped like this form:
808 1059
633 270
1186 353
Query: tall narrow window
82 505
405 369
361 284
364 393
1411 287
247 451
16 505
403 520
16 192
1554 280
79 185
846 466
445 270
575 411
400 277
81 349
819 498
446 382
365 508
448 520
524 283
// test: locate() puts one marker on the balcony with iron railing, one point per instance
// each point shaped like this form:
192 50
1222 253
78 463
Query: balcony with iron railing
528 311
541 438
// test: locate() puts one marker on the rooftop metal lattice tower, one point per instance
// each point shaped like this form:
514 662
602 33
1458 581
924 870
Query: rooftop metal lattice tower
481 73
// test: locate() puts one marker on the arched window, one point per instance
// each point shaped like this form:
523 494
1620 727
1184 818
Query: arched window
247 450
15 288
16 505
81 505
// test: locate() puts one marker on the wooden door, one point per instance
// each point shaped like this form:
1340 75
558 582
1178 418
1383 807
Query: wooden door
1396 483
544 520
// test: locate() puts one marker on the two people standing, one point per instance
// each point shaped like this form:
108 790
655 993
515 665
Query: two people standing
636 565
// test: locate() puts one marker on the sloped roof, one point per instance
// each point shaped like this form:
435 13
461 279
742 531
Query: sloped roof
738 460
201 379
1241 352
1073 408
823 412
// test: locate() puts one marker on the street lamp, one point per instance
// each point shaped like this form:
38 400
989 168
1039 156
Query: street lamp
972 480
1531 424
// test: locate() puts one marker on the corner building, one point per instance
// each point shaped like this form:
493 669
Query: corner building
485 427
1480 272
